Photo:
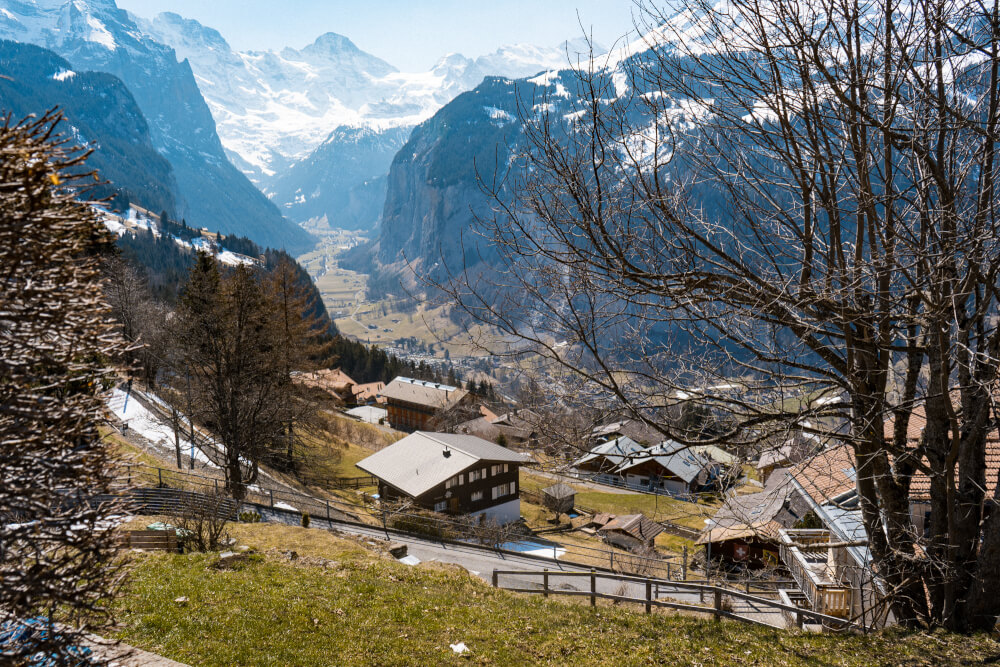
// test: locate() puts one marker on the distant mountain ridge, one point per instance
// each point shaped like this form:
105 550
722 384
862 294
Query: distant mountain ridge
297 122
96 35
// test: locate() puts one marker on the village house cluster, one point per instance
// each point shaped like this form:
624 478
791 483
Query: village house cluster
803 523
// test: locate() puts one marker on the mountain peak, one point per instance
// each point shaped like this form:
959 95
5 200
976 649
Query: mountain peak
330 43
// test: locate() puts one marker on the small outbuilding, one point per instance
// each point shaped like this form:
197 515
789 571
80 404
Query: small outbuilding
630 531
559 498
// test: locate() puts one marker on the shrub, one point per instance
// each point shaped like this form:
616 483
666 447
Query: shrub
305 519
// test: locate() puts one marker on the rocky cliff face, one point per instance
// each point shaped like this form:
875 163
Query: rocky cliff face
97 35
306 124
435 183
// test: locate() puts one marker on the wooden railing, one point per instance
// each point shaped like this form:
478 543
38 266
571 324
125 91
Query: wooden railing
831 598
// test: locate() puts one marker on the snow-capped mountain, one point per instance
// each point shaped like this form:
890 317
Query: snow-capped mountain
96 35
274 108
308 126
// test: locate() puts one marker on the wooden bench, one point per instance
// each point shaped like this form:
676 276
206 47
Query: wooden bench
149 540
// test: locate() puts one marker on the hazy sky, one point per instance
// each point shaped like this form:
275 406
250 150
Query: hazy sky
410 34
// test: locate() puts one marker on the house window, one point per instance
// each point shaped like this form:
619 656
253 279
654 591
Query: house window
507 489
456 481
441 506
476 496
475 476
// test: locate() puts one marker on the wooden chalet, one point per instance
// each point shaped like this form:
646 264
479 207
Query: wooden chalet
412 404
745 530
630 531
605 458
368 394
334 381
559 497
450 473
668 466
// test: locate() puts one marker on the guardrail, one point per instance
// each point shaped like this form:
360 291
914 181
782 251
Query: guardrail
716 593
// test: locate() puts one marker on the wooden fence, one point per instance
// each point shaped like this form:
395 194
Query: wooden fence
151 540
715 593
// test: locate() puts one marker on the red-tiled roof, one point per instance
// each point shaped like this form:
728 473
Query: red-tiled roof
920 483
828 474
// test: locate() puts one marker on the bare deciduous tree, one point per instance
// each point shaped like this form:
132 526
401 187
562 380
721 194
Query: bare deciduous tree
800 199
56 545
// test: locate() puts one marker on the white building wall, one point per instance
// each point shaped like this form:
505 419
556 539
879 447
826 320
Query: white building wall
502 513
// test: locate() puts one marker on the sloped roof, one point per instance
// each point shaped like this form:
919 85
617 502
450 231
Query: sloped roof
368 413
614 451
630 428
751 515
920 483
827 475
484 428
332 380
419 392
776 456
560 490
422 460
714 453
673 456
365 391
636 525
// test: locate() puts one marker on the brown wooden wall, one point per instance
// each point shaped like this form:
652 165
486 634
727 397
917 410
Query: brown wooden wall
461 501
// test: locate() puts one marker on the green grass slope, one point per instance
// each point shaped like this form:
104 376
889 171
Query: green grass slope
338 604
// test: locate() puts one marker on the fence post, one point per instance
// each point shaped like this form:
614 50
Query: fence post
718 604
271 491
216 482
748 586
684 566
593 587
798 620
545 582
159 475
496 578
327 510
649 596
612 552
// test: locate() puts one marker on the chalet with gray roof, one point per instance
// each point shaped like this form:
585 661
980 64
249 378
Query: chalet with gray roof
668 466
450 473
412 404
605 458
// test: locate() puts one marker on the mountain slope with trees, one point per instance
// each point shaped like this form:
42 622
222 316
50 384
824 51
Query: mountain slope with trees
96 35
99 111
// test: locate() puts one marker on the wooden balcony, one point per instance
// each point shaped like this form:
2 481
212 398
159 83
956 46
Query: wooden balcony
815 567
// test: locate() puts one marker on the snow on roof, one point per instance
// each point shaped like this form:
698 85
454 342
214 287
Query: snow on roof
368 413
